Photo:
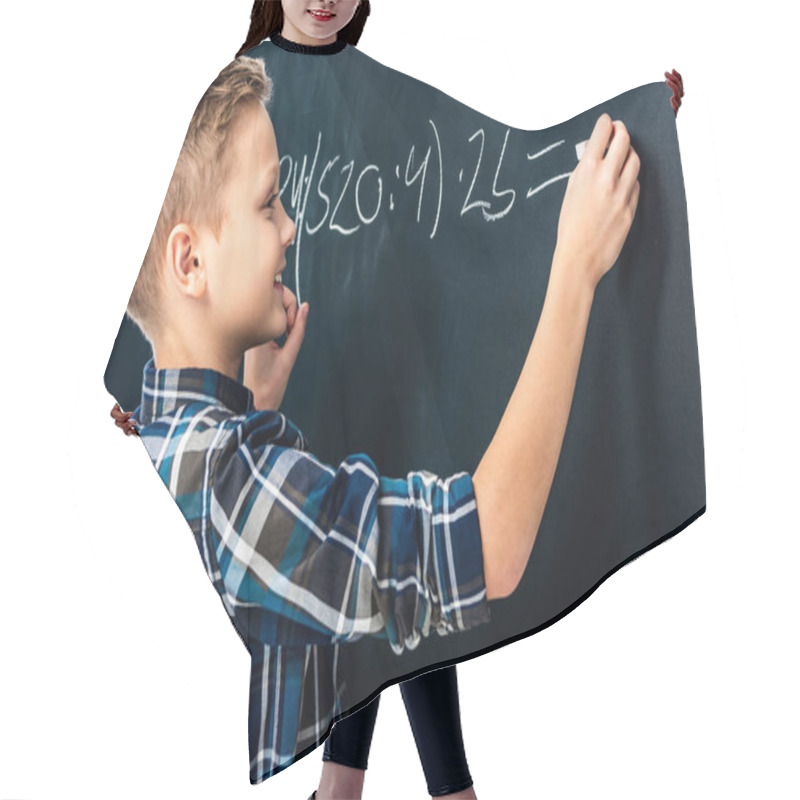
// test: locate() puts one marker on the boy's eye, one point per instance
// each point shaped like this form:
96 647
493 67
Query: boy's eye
271 202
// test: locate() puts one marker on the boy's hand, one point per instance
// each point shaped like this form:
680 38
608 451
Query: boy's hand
599 204
268 366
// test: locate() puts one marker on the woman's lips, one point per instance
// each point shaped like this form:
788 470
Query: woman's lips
322 16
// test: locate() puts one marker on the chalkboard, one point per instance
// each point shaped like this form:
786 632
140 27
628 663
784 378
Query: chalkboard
425 233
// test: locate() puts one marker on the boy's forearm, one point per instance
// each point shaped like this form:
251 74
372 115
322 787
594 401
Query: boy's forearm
513 480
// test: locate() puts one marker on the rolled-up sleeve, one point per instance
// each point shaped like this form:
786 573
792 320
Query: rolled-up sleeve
309 553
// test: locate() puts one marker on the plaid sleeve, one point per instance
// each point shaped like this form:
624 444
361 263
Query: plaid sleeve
317 553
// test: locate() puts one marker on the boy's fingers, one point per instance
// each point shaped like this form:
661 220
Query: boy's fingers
598 141
630 169
291 346
619 148
633 200
290 306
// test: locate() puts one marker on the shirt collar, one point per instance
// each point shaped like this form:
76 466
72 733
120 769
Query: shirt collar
164 390
309 49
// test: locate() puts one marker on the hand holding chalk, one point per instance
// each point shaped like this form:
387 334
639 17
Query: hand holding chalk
599 204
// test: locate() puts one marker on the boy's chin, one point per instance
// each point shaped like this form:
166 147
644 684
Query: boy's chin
276 332
276 327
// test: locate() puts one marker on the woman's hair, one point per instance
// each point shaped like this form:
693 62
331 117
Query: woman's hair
266 19
195 193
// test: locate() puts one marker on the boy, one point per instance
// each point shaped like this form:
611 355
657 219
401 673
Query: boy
304 556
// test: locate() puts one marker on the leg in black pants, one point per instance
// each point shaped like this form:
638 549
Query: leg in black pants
432 706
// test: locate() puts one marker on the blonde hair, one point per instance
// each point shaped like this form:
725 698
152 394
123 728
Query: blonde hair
195 193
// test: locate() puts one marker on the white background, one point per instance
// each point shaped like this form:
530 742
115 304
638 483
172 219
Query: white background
121 677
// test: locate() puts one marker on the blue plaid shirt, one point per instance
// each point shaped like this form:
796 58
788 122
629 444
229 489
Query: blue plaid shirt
304 556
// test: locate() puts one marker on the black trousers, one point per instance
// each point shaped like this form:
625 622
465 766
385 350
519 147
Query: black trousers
431 701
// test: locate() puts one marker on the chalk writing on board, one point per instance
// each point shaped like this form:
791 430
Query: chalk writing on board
343 190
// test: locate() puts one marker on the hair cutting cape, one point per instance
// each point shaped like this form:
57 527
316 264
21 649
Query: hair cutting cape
425 234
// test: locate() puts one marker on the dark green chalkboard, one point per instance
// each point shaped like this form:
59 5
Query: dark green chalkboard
425 232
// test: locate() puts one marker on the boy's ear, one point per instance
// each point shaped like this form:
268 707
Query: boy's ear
185 268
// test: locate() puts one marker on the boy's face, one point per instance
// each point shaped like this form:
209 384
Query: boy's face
244 293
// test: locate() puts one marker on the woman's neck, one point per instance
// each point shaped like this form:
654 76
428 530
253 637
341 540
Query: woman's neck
311 49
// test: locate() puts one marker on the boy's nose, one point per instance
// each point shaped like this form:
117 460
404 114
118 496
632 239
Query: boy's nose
291 231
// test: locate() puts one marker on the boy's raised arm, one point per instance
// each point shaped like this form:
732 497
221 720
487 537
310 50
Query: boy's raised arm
308 553
512 482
